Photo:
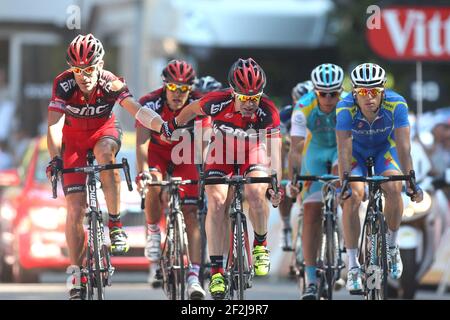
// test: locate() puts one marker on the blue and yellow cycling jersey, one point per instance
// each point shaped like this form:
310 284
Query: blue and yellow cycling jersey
320 124
393 114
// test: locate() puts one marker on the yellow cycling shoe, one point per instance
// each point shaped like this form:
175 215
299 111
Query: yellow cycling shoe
261 260
217 286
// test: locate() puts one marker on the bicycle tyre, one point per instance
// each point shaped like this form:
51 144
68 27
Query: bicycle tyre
239 258
330 254
180 246
95 224
203 253
382 245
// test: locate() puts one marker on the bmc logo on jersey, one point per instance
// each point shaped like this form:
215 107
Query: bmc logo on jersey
88 110
237 132
154 105
415 33
216 108
67 85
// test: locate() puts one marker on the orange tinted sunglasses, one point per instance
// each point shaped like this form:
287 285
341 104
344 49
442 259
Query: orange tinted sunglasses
173 87
88 70
245 98
373 91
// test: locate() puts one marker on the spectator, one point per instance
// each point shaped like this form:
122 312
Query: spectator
440 150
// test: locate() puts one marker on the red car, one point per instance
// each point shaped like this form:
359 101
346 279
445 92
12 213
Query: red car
32 222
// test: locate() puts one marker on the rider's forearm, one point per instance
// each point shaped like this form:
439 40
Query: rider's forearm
404 149
274 149
54 141
188 113
295 156
344 144
142 142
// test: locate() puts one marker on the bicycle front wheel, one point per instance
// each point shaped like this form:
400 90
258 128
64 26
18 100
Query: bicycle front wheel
330 264
181 256
98 280
238 238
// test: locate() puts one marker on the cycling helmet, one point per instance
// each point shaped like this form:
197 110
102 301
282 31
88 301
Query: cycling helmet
207 84
327 77
247 77
178 71
368 75
301 89
85 51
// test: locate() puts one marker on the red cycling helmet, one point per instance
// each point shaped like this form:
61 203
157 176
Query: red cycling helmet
247 77
178 71
85 51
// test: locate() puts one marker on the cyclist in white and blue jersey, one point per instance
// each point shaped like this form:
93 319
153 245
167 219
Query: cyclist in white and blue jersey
285 207
373 122
316 111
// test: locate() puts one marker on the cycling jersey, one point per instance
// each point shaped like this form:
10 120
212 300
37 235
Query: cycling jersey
86 122
156 101
374 139
160 151
320 145
239 139
80 114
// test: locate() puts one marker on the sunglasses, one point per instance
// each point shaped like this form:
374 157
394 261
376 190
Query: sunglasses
245 98
373 91
173 87
332 94
88 70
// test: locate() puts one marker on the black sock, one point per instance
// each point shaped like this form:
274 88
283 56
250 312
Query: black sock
260 240
216 264
114 221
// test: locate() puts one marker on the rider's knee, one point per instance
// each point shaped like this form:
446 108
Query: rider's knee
255 194
392 189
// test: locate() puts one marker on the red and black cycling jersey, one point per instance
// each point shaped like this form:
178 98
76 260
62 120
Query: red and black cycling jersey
219 105
156 100
80 114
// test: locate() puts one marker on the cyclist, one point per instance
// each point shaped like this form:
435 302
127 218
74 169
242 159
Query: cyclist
206 84
233 110
285 207
373 121
80 118
316 111
153 161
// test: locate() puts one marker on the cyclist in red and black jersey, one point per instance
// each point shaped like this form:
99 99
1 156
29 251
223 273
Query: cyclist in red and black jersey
155 158
242 117
80 118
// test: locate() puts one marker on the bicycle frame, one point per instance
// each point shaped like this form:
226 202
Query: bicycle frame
98 262
175 260
373 258
329 260
239 265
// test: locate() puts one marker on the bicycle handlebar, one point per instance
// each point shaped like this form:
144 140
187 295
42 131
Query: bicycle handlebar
92 169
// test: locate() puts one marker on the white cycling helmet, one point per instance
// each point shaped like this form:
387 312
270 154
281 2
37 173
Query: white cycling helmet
327 77
368 75
301 89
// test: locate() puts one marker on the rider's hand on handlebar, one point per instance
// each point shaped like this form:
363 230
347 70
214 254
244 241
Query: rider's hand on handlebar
415 194
346 189
276 198
54 166
292 191
141 180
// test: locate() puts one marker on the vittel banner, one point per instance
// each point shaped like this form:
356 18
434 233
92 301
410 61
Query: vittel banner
412 33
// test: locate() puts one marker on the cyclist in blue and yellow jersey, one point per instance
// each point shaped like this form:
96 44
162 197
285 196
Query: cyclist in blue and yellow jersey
297 92
316 112
373 122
